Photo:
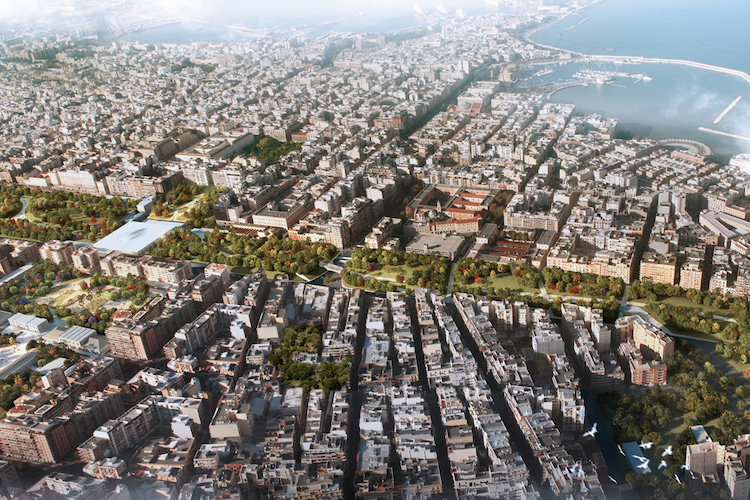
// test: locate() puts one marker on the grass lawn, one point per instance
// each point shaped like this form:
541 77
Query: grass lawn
687 303
242 270
74 213
506 281
390 272
179 211
315 274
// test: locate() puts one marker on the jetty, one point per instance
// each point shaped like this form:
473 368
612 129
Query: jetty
726 111
637 59
726 134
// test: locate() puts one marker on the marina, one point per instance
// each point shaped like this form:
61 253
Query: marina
603 77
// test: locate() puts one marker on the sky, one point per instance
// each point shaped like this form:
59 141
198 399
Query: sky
24 11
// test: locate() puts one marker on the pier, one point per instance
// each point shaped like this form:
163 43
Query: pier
726 134
726 111
638 59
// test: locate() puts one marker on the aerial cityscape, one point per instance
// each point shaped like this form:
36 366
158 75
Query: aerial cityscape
372 250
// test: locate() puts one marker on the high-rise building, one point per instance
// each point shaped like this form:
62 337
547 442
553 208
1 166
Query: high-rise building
59 252
165 271
650 340
33 439
86 259
659 268
691 275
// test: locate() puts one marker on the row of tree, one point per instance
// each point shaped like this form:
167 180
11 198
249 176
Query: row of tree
15 385
651 291
557 280
426 271
352 279
202 214
102 215
46 353
270 150
98 320
704 390
686 319
273 253
24 229
637 417
301 339
11 200
166 204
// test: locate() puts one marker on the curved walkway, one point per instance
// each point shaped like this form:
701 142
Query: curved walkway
692 146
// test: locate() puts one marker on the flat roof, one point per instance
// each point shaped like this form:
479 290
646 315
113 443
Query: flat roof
55 363
635 457
28 319
436 243
76 334
54 334
135 237
4 316
700 434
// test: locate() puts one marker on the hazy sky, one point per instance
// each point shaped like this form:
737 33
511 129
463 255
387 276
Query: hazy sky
30 10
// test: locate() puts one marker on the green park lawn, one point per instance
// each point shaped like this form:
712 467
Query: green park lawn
74 213
507 281
687 303
389 273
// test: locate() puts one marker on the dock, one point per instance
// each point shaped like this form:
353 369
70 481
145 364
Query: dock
726 134
726 111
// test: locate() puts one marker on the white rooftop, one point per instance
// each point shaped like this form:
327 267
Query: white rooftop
135 237
76 334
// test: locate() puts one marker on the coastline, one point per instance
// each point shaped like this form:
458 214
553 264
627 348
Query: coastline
584 57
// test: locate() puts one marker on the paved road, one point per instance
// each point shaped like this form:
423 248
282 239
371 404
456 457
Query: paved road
25 361
22 213
17 273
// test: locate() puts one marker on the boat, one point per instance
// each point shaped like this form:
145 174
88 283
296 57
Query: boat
604 80
647 78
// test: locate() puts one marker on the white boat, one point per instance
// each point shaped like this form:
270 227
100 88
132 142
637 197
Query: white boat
647 78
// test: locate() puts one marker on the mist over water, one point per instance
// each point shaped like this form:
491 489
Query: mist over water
708 31
679 99
217 21
677 102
